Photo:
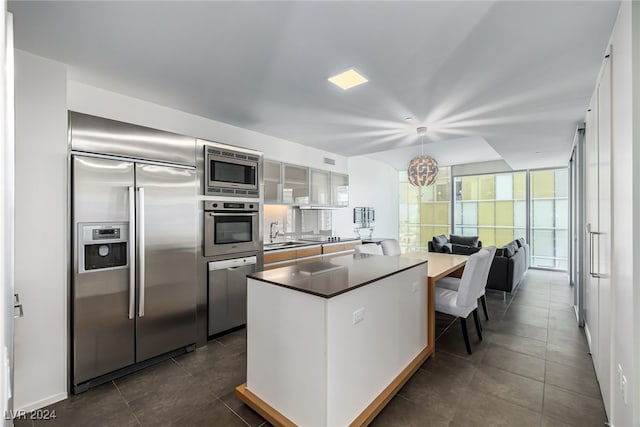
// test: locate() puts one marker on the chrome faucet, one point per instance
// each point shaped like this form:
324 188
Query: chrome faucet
273 231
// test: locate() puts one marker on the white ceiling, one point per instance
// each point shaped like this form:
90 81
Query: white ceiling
469 149
514 77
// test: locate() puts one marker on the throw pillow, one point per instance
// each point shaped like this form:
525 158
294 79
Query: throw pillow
510 249
441 239
439 242
446 248
520 242
463 249
464 240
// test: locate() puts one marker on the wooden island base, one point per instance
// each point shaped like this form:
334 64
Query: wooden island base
365 418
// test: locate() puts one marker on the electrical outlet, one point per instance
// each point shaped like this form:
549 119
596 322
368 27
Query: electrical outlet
625 393
358 315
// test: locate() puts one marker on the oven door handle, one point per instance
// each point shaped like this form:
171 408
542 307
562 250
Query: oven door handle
233 214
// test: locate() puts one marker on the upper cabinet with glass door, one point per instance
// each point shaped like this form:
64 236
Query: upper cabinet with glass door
272 182
339 189
320 187
296 185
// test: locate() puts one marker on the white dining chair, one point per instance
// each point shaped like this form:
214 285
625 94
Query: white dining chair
453 282
485 278
390 247
368 248
464 301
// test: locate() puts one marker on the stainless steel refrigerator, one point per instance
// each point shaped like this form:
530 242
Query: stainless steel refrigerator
134 263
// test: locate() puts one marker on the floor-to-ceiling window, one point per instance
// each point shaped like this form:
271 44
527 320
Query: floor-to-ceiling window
492 207
549 218
424 212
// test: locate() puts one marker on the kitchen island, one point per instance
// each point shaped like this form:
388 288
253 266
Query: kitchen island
330 343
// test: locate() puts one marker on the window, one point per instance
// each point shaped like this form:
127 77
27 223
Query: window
492 207
424 212
549 218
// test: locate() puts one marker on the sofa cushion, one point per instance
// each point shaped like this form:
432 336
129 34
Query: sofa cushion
464 240
463 249
509 249
439 242
440 239
520 242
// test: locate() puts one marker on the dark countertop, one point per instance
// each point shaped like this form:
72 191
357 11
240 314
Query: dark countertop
324 241
298 243
338 275
375 240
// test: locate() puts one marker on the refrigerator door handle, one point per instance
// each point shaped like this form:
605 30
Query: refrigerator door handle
132 252
141 251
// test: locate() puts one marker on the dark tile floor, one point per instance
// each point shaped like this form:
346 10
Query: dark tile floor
531 369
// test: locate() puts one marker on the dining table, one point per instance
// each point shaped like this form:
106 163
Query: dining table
439 265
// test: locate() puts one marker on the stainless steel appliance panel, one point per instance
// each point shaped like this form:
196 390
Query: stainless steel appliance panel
231 228
167 261
99 135
202 260
103 330
228 293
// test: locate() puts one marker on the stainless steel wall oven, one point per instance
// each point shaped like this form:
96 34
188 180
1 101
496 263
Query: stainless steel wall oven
231 227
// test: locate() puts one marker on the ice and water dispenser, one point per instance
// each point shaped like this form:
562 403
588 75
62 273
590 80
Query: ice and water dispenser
102 246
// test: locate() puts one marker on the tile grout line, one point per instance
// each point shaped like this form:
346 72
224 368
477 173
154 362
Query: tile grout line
234 412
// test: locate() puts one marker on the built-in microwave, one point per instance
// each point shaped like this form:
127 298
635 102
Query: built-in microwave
231 227
231 173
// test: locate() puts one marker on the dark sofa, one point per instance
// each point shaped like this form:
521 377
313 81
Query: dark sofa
509 265
462 245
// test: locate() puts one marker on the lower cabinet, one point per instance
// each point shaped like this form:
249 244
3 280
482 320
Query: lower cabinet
306 254
289 257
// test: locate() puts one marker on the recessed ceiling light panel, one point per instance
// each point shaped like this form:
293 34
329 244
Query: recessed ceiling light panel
348 79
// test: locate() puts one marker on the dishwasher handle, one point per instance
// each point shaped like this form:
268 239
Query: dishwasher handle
233 263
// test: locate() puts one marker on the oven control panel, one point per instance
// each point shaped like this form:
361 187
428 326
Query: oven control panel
231 206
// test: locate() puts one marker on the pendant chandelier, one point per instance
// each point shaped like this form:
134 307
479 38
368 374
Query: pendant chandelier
422 170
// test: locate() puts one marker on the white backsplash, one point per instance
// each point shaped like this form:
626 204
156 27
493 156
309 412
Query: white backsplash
294 223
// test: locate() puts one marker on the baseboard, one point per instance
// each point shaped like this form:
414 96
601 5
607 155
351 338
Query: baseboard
43 402
576 311
588 334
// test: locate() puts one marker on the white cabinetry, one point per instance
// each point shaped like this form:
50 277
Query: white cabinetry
598 229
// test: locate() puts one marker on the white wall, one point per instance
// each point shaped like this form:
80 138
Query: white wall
40 231
6 204
635 319
371 183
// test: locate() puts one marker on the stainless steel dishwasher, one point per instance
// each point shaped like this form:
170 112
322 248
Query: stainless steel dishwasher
228 292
